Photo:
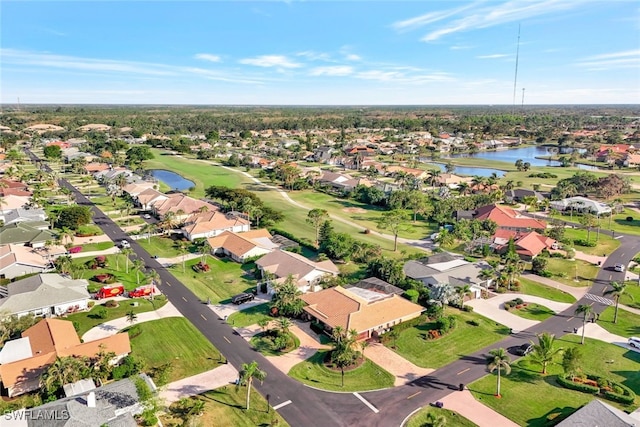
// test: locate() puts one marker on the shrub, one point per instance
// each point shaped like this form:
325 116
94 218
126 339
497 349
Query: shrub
467 308
111 303
539 264
585 388
585 243
473 322
445 324
100 313
557 255
545 273
412 295
518 301
629 219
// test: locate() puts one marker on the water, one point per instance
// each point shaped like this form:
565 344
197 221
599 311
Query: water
173 180
471 171
526 154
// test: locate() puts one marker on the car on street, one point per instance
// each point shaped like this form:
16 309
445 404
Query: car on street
146 216
125 244
619 267
524 349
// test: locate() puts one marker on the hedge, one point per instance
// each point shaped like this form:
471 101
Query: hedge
585 388
303 242
627 396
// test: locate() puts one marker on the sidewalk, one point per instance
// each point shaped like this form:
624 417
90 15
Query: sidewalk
108 251
112 327
577 292
595 331
466 405
197 384
222 310
177 260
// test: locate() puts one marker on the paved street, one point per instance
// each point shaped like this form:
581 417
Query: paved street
310 407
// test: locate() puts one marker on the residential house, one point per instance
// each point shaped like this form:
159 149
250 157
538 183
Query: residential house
36 217
146 198
361 150
96 167
340 181
446 268
113 405
581 204
48 340
608 153
48 294
518 195
136 187
18 260
323 154
181 205
212 223
418 173
307 274
9 184
527 244
505 217
377 285
242 246
599 413
631 160
34 234
450 180
12 201
368 312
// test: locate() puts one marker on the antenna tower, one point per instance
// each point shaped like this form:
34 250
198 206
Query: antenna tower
515 78
522 106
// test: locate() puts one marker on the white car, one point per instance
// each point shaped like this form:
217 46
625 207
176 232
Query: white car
146 216
619 267
125 244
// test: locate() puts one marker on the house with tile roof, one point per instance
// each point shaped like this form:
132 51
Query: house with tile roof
19 260
96 167
13 201
48 340
340 181
369 312
181 205
146 198
211 223
26 233
242 246
505 217
307 274
528 244
47 294
134 188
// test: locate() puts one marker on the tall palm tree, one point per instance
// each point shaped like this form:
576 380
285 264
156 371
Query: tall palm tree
617 291
343 354
148 229
499 360
131 317
126 252
543 352
184 246
248 373
138 265
586 310
463 291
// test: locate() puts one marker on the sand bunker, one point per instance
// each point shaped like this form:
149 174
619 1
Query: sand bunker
355 210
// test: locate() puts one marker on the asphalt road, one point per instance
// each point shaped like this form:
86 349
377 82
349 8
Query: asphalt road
311 407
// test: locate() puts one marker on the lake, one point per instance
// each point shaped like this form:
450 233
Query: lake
469 170
527 154
173 180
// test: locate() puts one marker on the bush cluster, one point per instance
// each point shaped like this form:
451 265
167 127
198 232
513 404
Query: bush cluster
617 393
446 323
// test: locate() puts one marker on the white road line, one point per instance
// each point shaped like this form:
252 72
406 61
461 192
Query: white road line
619 237
366 402
281 405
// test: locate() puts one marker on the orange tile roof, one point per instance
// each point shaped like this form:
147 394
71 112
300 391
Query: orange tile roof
236 243
26 369
507 217
216 220
51 335
118 343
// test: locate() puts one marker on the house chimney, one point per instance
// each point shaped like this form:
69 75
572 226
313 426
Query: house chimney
91 400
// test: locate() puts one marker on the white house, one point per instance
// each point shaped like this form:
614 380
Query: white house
306 273
581 204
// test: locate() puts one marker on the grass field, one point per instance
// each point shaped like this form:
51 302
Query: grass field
632 297
565 271
88 319
163 247
628 323
533 311
367 376
116 265
100 246
176 341
420 418
225 279
226 405
250 316
522 389
617 222
463 340
530 287
605 244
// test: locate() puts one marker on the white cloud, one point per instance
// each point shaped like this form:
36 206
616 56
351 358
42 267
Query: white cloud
474 16
492 56
315 56
208 57
614 60
459 47
353 57
338 70
280 61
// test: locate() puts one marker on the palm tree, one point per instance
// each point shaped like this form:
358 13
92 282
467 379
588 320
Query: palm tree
138 265
342 354
284 324
498 360
126 252
183 246
131 317
148 229
463 291
543 352
586 310
248 372
436 420
617 291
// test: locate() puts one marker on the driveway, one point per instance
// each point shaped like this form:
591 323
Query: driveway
466 405
226 310
398 366
198 384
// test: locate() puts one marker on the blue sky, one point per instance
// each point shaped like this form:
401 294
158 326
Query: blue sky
320 53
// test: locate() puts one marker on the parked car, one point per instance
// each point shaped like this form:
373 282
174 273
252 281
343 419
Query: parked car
524 349
242 298
619 267
634 342
125 244
146 216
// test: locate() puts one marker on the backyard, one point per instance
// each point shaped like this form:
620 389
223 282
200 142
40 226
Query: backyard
367 376
464 339
174 341
522 388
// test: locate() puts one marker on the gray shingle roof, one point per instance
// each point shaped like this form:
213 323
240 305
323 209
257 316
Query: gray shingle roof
23 232
599 414
42 290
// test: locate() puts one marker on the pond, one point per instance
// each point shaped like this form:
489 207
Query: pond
471 171
527 154
173 180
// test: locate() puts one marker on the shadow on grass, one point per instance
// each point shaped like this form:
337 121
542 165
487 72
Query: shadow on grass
631 379
552 417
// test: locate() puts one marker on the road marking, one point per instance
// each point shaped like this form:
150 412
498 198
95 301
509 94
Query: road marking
619 237
413 395
203 317
601 300
281 405
226 339
463 371
570 318
366 402
185 300
168 284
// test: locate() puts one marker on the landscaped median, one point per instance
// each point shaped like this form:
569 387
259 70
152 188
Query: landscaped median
528 310
522 388
365 376
432 416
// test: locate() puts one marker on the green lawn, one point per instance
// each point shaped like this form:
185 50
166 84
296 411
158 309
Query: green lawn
420 418
164 247
463 340
250 316
135 220
367 376
116 265
530 287
90 229
632 297
176 341
100 246
605 244
628 323
565 271
620 223
205 174
225 279
263 342
529 398
87 320
228 403
533 311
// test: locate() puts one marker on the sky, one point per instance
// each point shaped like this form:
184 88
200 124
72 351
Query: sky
320 52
